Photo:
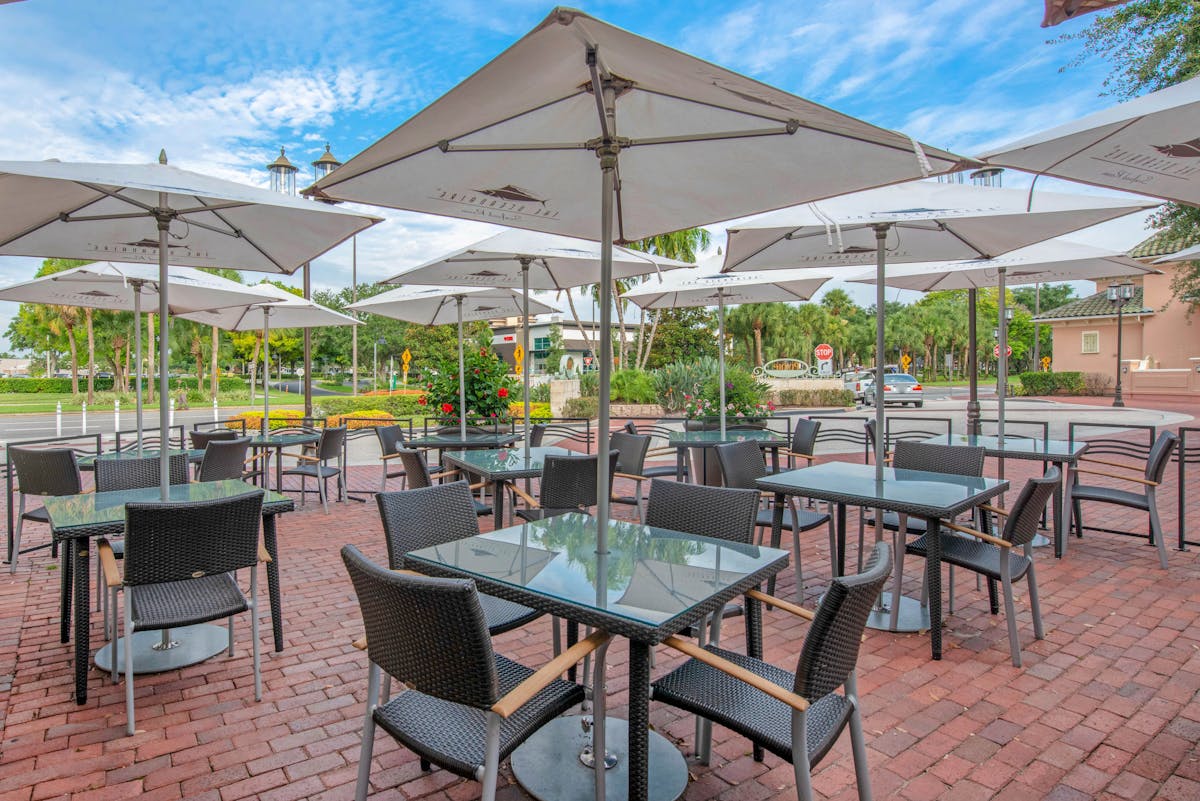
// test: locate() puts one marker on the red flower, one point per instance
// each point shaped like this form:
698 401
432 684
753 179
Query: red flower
423 400
447 408
502 392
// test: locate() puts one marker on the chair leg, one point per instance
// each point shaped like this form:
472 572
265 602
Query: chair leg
303 486
321 489
1014 643
491 757
229 626
368 735
383 478
796 550
862 515
1035 608
993 601
950 587
858 743
1156 531
800 762
1077 516
16 546
254 649
128 631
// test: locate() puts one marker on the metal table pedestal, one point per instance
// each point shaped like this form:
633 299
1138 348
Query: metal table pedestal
192 644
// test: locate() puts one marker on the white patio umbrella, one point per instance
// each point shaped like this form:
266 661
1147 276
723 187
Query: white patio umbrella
1149 145
120 287
519 143
1046 262
440 305
706 286
157 213
1062 10
531 260
914 222
1187 254
271 306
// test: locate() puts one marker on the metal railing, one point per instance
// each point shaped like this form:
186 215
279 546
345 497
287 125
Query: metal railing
82 444
151 438
1186 454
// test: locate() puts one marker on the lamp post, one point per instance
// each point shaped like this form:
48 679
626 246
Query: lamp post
324 165
1119 295
283 180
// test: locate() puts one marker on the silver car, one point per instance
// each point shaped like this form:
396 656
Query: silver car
901 389
859 382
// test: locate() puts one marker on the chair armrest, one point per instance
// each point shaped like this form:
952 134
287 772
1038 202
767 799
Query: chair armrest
108 563
771 600
660 451
360 643
446 474
521 694
525 496
996 510
1144 481
263 556
741 674
256 457
979 535
478 485
807 456
1110 463
387 456
303 457
629 476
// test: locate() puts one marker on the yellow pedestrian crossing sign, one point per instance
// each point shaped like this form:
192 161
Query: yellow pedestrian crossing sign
405 357
519 355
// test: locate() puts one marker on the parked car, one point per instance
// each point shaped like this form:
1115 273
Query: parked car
901 389
859 382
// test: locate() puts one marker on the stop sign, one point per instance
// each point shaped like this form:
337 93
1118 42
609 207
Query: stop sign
1007 351
823 352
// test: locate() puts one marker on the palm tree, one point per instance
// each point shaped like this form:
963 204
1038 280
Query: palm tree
62 320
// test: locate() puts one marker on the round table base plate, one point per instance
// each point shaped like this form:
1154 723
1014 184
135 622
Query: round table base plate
1040 541
547 764
196 643
912 617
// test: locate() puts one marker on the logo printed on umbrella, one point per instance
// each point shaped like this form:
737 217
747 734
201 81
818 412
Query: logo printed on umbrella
505 203
1182 150
1165 165
145 250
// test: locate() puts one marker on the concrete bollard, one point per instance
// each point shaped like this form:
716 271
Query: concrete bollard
58 419
216 414
171 414
83 420
116 415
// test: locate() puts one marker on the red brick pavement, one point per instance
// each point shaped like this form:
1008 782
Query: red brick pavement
1106 707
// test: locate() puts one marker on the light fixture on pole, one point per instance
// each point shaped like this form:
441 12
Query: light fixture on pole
1119 295
324 165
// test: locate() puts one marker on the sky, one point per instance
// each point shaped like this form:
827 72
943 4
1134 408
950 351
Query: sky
221 85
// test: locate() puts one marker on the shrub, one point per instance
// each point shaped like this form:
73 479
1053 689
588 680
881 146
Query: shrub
488 387
540 393
376 393
393 405
1096 383
589 384
811 398
368 418
280 418
225 383
1035 383
586 407
537 411
674 381
745 396
632 386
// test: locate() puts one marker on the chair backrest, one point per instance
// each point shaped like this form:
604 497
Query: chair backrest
537 432
1025 516
201 438
956 459
569 482
718 512
741 463
631 451
418 518
416 468
329 446
630 427
1160 455
167 542
138 473
830 650
48 471
804 436
391 439
869 428
429 633
224 459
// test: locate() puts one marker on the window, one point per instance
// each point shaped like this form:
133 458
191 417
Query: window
1091 342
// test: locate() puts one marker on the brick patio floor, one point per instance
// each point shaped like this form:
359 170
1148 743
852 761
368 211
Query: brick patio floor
1106 707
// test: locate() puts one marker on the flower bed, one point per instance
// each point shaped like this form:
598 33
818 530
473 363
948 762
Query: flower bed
368 418
280 418
537 411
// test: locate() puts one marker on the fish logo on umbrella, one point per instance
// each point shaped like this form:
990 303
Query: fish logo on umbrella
1182 150
510 192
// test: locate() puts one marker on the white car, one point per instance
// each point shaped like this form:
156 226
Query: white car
859 382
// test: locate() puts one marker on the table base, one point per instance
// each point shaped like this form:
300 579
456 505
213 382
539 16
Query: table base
912 616
547 765
1040 541
196 644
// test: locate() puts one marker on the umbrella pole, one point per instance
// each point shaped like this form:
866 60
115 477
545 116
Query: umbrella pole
973 428
721 355
462 374
266 423
881 232
1002 358
525 343
164 392
137 328
608 166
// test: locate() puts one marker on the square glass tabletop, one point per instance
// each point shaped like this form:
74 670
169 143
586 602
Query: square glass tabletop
713 437
915 492
86 462
649 576
502 464
94 509
1034 448
283 440
447 440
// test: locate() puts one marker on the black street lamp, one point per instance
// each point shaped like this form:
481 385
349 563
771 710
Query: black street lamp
1119 295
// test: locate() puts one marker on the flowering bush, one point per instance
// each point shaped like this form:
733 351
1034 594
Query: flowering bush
487 383
537 411
280 418
368 418
744 398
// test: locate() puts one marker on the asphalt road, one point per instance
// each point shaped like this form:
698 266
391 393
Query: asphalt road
298 388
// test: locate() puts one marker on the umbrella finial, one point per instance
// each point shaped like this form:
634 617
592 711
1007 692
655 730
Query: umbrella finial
162 156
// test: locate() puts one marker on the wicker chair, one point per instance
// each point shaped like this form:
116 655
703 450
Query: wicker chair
752 698
1156 465
226 459
419 477
468 707
742 464
391 442
50 472
112 475
657 471
803 444
420 518
179 565
631 461
993 557
568 485
316 465
201 438
537 433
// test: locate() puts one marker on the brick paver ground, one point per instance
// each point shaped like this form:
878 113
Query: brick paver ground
1106 707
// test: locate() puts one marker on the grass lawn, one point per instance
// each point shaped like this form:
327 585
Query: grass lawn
332 387
46 402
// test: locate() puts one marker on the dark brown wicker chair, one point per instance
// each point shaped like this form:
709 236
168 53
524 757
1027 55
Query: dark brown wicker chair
226 459
753 698
201 438
316 465
419 477
460 713
434 515
742 464
568 485
631 461
179 565
50 472
391 442
1156 466
993 557
804 443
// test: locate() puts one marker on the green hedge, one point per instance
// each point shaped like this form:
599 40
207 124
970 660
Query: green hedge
395 405
1071 383
810 398
582 407
226 383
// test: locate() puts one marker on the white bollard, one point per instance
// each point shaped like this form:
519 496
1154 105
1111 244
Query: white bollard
216 414
58 420
171 414
83 420
116 415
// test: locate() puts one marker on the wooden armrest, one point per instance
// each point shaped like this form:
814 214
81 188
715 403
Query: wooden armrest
660 451
1146 482
979 535
996 510
360 643
888 460
807 456
478 485
108 563
263 556
771 600
629 476
387 456
525 496
445 474
521 694
741 674
303 457
1110 463
255 458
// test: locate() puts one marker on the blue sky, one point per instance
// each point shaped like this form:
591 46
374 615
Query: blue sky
222 84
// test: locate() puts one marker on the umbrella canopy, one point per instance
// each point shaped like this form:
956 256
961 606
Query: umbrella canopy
159 213
1148 145
1187 254
1062 10
519 143
439 305
705 286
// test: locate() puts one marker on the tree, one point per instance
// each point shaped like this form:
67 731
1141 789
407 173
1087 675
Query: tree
556 350
1051 296
682 334
682 245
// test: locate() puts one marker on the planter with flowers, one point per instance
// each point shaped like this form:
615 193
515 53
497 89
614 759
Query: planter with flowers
745 403
488 388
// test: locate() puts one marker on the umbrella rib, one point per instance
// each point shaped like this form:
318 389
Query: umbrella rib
983 254
57 218
239 234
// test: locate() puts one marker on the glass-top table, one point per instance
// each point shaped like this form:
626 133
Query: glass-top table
446 441
707 470
499 465
89 462
932 497
651 584
76 519
277 442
